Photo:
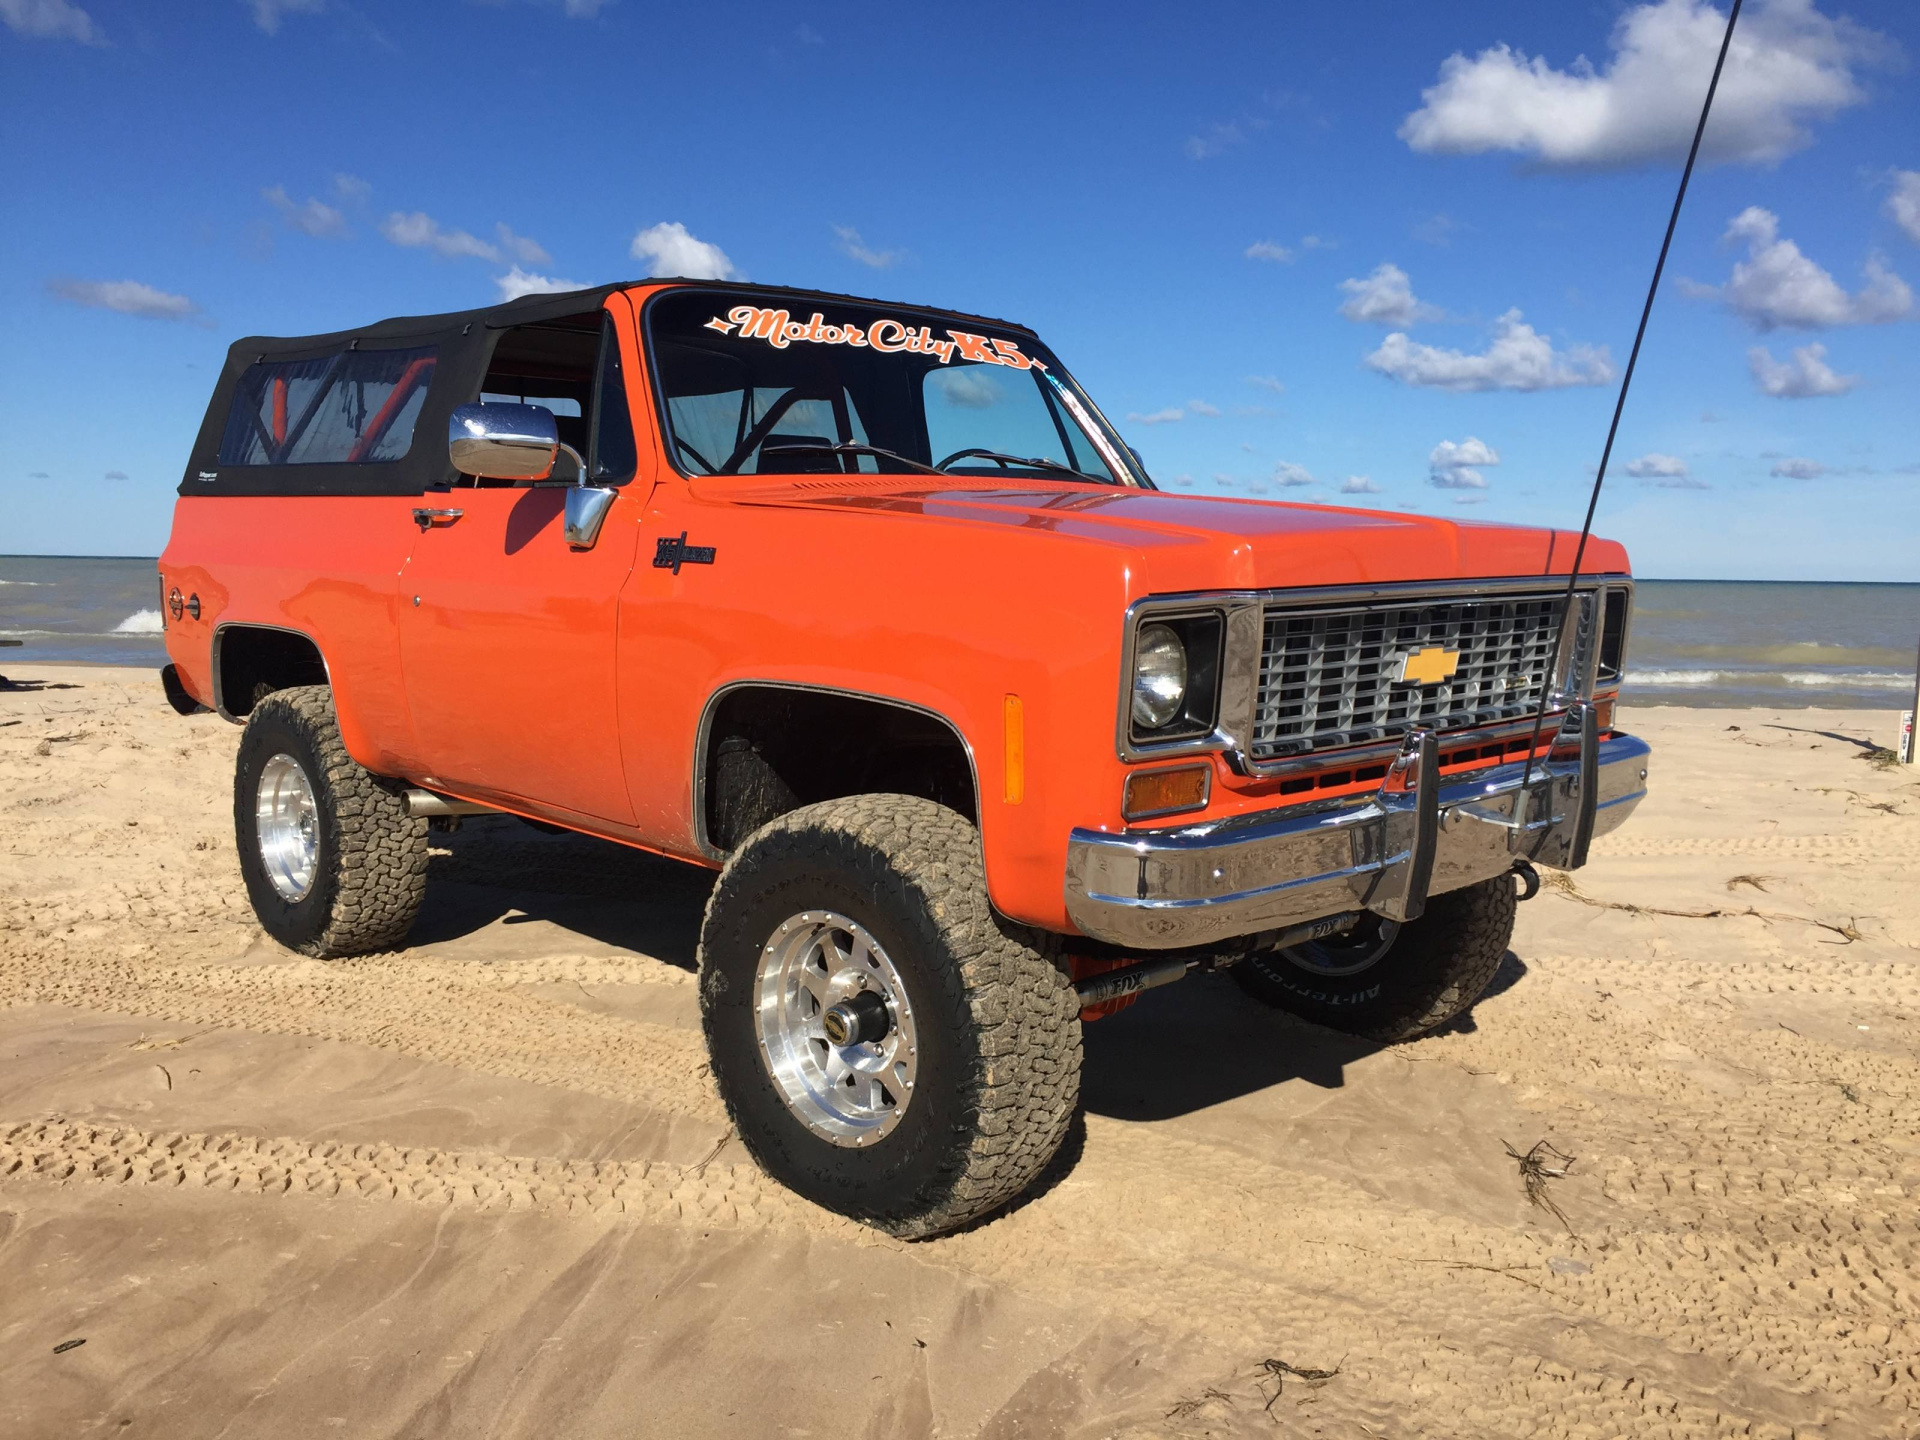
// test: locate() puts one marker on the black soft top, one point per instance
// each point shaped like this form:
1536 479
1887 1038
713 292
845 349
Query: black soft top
465 340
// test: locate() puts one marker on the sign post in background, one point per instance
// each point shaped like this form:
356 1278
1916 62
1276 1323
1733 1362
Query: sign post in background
1905 748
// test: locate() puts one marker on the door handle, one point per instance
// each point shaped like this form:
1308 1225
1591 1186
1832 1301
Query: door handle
423 518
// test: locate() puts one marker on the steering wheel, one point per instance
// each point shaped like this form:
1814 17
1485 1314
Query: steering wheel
963 454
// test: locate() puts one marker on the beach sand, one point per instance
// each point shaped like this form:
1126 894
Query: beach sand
484 1187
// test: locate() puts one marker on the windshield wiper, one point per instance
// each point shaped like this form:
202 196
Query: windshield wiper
849 448
1035 461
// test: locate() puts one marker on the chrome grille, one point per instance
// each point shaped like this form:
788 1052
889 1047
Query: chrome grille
1327 673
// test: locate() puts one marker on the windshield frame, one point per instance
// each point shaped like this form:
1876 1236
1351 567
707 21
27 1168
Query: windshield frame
1078 405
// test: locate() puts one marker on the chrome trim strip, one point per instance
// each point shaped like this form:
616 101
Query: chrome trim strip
701 736
1218 880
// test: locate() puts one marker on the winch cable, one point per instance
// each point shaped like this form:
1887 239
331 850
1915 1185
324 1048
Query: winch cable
1626 380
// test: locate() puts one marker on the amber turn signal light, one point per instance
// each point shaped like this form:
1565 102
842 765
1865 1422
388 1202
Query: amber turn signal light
1166 792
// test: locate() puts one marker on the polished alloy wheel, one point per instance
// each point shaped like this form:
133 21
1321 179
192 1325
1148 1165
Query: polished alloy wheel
1348 954
288 824
835 1026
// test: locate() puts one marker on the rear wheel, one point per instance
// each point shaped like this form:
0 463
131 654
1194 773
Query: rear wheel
333 862
1390 981
886 1045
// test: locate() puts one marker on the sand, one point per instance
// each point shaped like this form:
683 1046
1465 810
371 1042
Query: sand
483 1187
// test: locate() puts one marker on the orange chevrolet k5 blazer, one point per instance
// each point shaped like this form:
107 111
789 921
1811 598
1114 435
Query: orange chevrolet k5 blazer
867 607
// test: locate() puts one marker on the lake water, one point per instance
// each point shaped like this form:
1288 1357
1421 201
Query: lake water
1695 642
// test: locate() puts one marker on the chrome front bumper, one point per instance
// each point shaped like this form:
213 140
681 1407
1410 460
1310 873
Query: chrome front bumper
1165 889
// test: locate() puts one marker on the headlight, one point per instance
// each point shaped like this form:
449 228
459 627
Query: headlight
1159 677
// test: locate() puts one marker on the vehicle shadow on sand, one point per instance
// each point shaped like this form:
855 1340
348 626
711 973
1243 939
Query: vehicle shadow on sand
496 869
1177 1050
1205 1041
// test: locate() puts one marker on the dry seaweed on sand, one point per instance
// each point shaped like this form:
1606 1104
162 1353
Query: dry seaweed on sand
1544 1162
1184 1408
1279 1370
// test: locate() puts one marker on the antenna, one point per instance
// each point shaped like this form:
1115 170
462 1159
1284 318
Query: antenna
1626 380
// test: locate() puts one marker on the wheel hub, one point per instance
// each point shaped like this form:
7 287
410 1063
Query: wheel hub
835 1027
287 826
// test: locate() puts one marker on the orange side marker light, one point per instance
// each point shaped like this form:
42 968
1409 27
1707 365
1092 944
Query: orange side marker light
1014 716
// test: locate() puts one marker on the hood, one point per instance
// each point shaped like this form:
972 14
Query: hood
1198 542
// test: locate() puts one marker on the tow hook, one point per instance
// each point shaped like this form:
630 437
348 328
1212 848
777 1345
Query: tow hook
1529 879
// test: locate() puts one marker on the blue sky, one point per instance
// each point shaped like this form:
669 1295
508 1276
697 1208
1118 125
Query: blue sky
1394 250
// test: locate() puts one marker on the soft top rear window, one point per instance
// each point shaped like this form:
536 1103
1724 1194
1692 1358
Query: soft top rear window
352 407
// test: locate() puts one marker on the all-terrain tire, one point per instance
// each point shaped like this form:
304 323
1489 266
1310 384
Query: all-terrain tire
1436 967
370 871
997 1020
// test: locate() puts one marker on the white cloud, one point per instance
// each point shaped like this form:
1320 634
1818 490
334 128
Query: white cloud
1267 250
1201 407
1519 358
848 242
126 297
520 249
1386 298
50 20
1160 417
312 218
1804 376
1778 286
1217 140
1903 205
1267 382
1789 65
1679 482
1289 475
115 475
351 188
675 252
1359 485
517 282
1317 242
267 13
420 231
1469 499
1654 465
1795 468
1452 464
1436 229
582 9
1471 451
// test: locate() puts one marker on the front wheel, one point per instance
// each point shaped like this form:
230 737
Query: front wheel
333 862
1389 981
886 1045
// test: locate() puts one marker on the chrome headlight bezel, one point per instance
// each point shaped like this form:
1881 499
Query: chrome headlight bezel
1199 632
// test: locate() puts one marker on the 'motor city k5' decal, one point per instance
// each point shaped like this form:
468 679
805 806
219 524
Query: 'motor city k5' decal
780 330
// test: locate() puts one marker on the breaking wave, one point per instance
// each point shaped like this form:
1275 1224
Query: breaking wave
1767 679
141 622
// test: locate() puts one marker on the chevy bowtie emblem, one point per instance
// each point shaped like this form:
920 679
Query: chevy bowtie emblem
1427 667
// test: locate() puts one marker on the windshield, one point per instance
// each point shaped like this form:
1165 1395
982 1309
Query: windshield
762 386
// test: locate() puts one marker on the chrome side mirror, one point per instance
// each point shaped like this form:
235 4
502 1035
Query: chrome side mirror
586 512
503 442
